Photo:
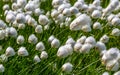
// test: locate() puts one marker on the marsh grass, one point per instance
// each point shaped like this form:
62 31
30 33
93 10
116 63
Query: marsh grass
84 64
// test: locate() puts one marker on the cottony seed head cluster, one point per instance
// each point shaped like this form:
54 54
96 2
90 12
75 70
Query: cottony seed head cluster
59 37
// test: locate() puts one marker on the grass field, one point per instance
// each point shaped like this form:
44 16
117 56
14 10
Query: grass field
83 64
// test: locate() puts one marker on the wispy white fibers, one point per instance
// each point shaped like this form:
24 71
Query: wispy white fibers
80 21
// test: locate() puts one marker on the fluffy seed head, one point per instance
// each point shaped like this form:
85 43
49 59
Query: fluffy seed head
66 12
11 32
70 41
32 39
40 46
20 39
38 29
67 67
100 46
3 58
105 73
2 34
115 67
56 2
104 39
96 14
109 57
10 18
112 65
85 48
2 24
78 5
114 52
43 20
77 46
96 3
51 38
21 3
29 7
2 69
55 43
54 13
115 32
74 10
117 73
22 51
91 8
115 21
80 21
27 17
110 17
14 6
31 21
97 25
47 27
20 18
85 7
10 52
6 7
44 55
37 12
86 28
36 59
64 51
21 26
62 7
90 40
82 39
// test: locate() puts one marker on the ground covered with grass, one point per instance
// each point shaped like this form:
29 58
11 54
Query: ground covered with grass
86 62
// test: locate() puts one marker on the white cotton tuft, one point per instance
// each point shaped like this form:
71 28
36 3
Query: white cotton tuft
32 39
100 46
20 18
36 59
81 39
40 46
3 58
55 43
23 51
85 48
44 55
70 41
105 73
77 47
10 18
80 21
2 34
115 32
64 51
96 14
104 39
97 25
117 73
67 67
13 32
86 28
20 39
90 40
38 29
2 68
43 20
9 52
51 38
